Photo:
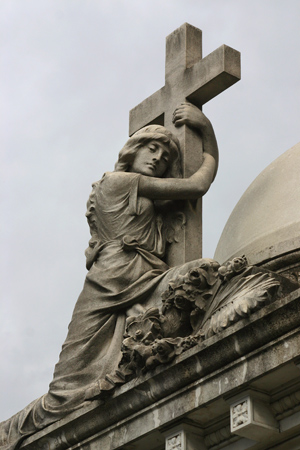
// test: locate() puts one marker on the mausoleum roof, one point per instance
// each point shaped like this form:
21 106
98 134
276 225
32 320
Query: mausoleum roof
265 223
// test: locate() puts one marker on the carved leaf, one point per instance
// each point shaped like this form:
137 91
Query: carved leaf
238 299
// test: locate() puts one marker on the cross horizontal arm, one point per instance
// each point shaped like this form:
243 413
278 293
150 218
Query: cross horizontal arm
203 81
217 71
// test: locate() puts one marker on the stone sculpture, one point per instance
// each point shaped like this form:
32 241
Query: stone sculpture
187 77
135 312
125 262
127 274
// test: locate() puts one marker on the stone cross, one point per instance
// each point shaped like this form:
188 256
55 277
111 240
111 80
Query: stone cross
188 77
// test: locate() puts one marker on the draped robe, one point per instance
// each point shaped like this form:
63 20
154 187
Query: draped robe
125 268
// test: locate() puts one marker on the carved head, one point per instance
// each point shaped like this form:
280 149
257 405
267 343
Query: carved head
151 133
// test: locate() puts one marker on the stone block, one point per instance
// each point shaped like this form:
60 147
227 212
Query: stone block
251 416
184 437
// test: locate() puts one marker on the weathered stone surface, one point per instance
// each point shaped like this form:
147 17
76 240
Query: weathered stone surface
201 303
258 352
184 437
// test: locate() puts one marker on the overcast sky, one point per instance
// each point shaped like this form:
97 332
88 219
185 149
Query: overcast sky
70 72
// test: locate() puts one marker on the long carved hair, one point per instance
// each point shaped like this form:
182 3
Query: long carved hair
142 138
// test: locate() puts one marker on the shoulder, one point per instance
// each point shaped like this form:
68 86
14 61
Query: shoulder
116 181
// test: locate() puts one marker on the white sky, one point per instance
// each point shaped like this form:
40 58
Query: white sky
70 72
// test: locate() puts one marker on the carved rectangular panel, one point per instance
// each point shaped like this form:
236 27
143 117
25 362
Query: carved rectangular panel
176 441
252 417
240 414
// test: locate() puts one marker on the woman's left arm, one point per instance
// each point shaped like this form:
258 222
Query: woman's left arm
179 188
198 184
188 114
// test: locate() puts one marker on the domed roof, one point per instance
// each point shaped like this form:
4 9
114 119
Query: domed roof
266 221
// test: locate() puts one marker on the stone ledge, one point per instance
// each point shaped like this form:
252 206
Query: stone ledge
221 365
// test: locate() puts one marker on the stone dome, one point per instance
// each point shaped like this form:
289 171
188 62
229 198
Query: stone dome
265 224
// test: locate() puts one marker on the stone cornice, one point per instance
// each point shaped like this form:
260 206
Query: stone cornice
223 354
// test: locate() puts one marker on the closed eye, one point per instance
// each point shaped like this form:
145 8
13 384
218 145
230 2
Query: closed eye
166 156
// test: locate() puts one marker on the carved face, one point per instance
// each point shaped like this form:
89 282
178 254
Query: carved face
152 159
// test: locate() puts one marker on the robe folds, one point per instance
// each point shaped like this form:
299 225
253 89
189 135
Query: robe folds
125 268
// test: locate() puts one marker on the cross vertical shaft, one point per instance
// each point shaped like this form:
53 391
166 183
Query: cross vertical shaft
188 77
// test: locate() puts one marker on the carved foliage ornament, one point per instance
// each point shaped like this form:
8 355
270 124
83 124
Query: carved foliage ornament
202 303
174 442
240 414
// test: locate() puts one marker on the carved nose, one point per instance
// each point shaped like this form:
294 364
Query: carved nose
157 156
